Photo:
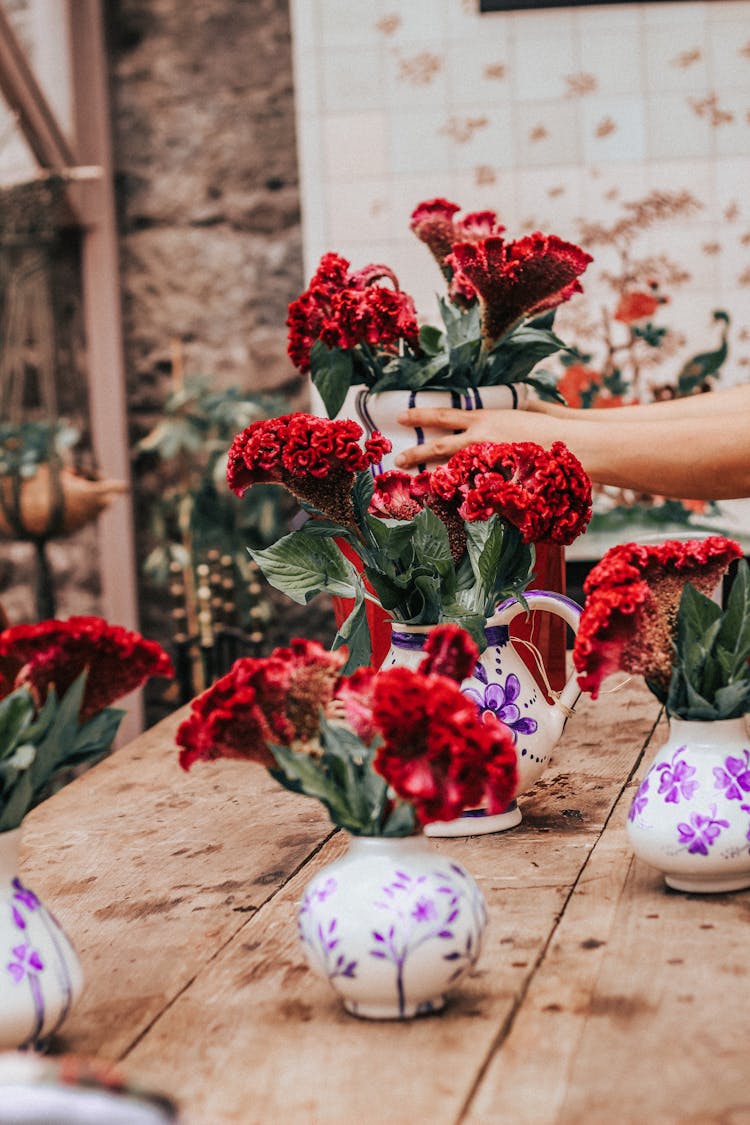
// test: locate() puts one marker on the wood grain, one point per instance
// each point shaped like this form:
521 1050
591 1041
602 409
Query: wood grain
180 891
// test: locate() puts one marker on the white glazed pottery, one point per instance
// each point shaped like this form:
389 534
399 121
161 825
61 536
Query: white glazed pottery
502 684
40 975
392 926
380 411
690 818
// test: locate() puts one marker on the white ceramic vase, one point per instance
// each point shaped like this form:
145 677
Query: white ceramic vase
502 685
392 925
690 818
40 975
380 411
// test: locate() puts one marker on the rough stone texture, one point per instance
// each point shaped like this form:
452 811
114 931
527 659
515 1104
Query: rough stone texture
208 204
210 251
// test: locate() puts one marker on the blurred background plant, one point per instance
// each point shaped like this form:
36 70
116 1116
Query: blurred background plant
201 530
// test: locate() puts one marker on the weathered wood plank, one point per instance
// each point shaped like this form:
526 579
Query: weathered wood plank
309 1061
633 1014
151 870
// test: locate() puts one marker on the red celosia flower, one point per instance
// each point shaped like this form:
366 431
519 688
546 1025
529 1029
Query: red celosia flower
353 700
437 752
546 495
449 651
314 458
275 699
52 654
633 595
435 224
636 306
392 496
518 279
346 309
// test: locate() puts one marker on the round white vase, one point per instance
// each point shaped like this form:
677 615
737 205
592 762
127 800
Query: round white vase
40 975
380 411
392 926
690 818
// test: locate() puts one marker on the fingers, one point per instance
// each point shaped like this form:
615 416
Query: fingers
442 417
438 450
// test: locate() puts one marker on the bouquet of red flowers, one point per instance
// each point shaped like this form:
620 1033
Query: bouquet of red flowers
445 546
348 328
58 680
649 611
384 751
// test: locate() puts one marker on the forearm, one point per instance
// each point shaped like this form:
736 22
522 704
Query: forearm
726 401
666 458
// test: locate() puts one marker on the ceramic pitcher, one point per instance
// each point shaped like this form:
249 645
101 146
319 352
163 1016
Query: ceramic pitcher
503 685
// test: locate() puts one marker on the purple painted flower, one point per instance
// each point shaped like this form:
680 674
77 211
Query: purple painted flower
424 910
24 895
27 960
327 889
702 831
733 777
746 808
639 801
676 779
501 701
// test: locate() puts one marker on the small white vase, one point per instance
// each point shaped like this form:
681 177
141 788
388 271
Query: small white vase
392 926
380 411
40 975
690 818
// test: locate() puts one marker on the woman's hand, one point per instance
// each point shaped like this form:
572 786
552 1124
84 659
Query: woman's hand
464 427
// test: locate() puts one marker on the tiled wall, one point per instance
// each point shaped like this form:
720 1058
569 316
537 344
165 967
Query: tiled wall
557 119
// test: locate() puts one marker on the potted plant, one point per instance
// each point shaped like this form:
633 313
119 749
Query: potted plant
649 611
392 926
452 546
58 680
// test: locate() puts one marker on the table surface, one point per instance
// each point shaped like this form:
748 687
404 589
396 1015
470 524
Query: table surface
600 996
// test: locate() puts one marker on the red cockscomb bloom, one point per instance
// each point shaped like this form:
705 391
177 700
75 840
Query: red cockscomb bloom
345 309
437 753
435 224
449 651
52 654
261 700
518 279
633 594
545 494
392 496
316 459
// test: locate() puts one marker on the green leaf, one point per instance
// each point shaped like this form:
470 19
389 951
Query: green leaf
16 714
302 565
401 822
354 632
332 372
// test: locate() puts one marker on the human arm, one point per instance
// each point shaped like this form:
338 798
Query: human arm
701 454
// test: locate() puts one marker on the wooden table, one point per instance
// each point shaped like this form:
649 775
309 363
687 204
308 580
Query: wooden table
599 996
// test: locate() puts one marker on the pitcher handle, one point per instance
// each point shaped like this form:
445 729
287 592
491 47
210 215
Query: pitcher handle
563 607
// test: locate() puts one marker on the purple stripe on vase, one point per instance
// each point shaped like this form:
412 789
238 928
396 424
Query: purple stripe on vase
495 634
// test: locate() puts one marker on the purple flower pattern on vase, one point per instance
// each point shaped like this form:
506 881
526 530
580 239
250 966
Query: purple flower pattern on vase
733 777
27 964
500 700
421 908
677 780
702 832
392 937
640 800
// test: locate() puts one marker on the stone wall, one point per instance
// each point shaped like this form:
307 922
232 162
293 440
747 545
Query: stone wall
209 216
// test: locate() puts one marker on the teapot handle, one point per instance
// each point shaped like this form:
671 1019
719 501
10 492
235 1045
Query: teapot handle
563 607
